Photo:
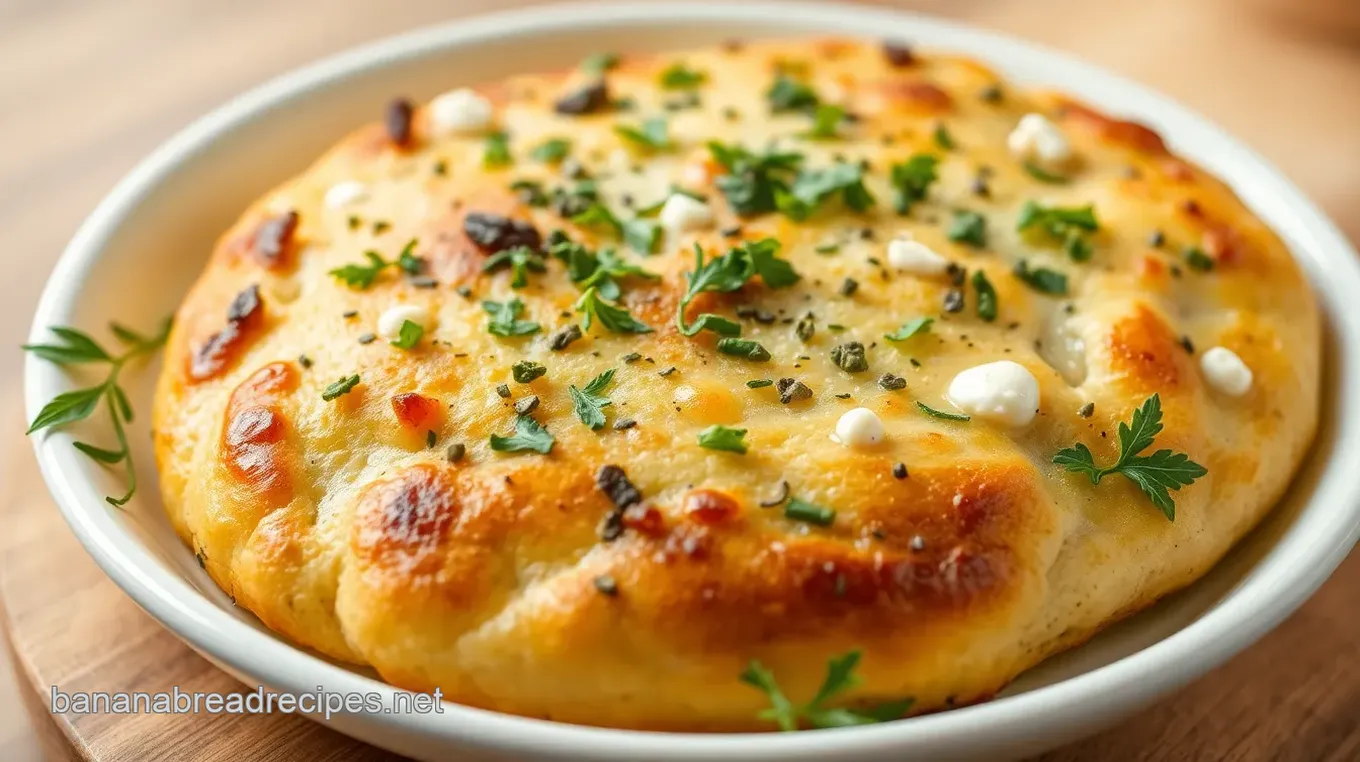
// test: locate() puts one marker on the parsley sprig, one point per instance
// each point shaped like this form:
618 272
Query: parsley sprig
642 236
725 438
1065 224
602 269
529 436
652 135
505 320
1155 474
753 181
74 347
613 317
911 181
520 260
840 677
361 276
728 273
589 401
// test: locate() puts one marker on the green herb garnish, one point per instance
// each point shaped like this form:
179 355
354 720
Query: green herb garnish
75 347
1065 224
788 94
942 137
759 383
840 677
801 510
1198 260
1155 474
909 329
811 188
717 437
408 336
362 276
551 150
1038 173
613 317
340 388
529 436
640 235
496 152
525 371
744 348
928 410
1041 278
504 320
969 227
728 273
520 259
678 76
753 181
602 269
986 296
652 135
911 181
589 401
826 122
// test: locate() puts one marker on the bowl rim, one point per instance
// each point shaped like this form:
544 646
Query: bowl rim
1295 567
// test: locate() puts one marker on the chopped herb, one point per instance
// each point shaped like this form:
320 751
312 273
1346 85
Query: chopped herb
496 152
678 76
530 192
890 383
362 276
828 248
969 227
928 410
849 286
826 122
527 405
986 296
305 362
840 677
1041 278
408 336
759 383
717 437
1038 173
340 388
753 182
1087 410
744 348
801 510
503 391
668 372
597 64
631 357
788 94
602 270
942 137
792 390
525 371
1154 474
850 357
613 317
728 273
640 235
589 401
1065 224
520 260
909 329
953 300
812 188
652 135
75 347
550 151
806 328
504 320
623 424
528 436
1198 260
564 337
911 181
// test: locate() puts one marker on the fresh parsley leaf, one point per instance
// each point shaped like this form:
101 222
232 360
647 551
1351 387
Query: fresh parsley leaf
525 371
504 320
613 317
340 388
928 410
361 276
652 135
520 259
826 122
718 324
602 270
718 437
1041 278
551 150
969 227
753 182
599 63
642 236
911 180
496 152
409 335
678 76
589 402
788 94
1043 176
1198 260
942 137
74 347
1156 474
598 215
782 712
909 329
811 188
986 296
529 436
1065 224
744 348
728 273
765 262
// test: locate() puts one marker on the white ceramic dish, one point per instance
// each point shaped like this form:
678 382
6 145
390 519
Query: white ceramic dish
134 257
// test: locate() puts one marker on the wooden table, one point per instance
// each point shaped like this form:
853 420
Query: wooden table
87 87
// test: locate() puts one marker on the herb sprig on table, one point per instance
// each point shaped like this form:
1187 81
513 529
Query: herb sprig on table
74 347
840 677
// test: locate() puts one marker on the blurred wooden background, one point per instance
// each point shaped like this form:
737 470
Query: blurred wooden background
87 87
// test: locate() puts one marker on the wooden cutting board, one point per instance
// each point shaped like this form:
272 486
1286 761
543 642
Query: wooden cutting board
1294 696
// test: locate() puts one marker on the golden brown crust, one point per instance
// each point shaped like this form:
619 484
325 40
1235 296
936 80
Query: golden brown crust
513 581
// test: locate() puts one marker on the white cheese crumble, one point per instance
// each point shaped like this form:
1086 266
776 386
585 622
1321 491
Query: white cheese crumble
459 111
392 318
859 428
1225 371
1039 140
911 256
345 193
681 213
1002 391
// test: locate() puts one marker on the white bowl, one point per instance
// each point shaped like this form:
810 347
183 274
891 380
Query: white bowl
137 253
